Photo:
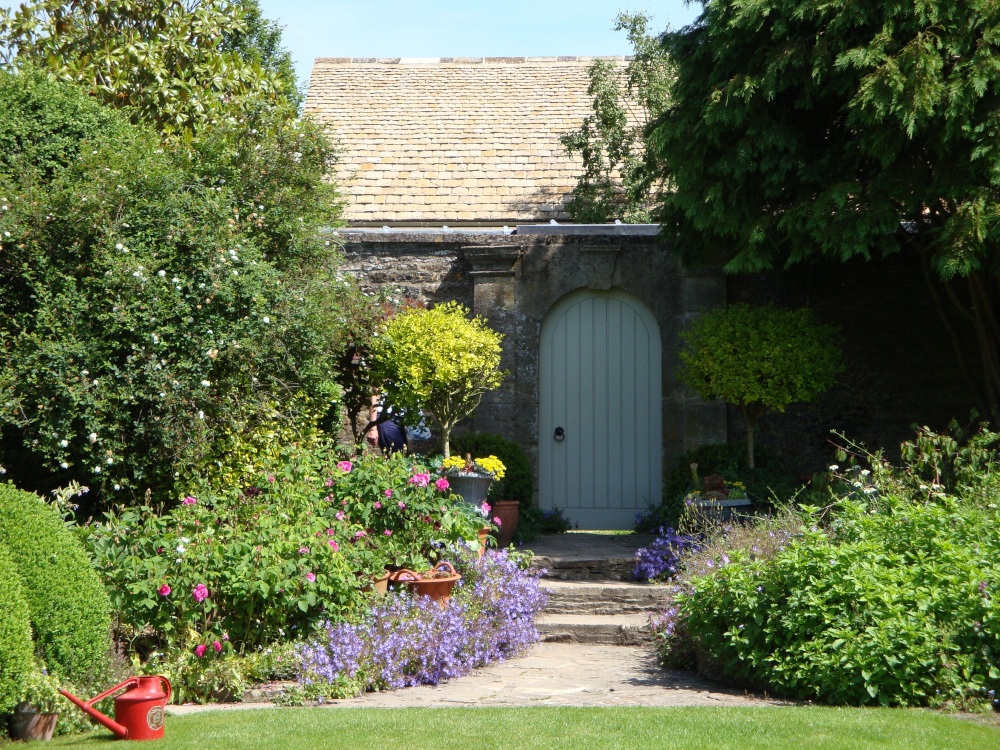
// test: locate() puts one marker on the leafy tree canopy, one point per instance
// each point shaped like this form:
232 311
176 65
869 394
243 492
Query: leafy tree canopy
759 359
438 360
614 183
803 129
180 64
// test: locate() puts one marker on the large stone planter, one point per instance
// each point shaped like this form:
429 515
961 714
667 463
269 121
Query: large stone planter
719 509
472 487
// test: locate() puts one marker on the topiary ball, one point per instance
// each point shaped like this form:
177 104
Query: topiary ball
69 608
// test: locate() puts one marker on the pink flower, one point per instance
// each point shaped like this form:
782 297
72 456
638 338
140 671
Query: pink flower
200 592
387 532
164 590
311 577
200 650
360 534
270 478
402 505
388 493
333 545
485 507
189 500
303 550
217 646
421 480
329 483
378 505
442 484
330 532
340 515
497 521
345 466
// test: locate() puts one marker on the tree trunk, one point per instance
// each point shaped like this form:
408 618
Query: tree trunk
446 438
750 430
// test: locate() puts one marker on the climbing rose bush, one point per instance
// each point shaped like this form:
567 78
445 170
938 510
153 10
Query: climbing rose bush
411 640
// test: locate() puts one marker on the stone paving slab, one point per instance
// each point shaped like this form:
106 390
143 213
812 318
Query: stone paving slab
554 674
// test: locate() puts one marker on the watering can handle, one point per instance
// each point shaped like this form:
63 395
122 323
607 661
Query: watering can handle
109 691
166 685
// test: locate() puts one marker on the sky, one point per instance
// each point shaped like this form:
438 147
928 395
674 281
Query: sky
460 28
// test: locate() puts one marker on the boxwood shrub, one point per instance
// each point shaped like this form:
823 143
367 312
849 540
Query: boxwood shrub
15 634
69 608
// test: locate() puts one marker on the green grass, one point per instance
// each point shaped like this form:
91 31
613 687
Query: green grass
773 728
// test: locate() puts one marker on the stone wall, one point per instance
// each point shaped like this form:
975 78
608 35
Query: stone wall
513 280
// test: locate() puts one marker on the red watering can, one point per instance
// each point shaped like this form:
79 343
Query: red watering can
138 712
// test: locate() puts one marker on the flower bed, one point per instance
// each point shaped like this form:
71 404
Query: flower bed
410 640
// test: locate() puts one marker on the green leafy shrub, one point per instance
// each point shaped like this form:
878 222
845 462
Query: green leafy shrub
147 308
518 482
894 600
439 361
70 611
759 359
270 562
16 659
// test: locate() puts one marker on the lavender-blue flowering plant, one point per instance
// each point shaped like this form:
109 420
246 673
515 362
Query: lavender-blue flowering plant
661 560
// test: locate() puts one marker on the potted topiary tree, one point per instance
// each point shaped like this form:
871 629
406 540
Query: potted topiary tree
439 361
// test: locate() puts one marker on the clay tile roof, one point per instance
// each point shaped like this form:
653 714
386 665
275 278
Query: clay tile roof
452 139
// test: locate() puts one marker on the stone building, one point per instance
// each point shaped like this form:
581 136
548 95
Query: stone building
456 185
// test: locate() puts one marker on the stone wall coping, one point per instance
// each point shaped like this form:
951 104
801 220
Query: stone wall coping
468 60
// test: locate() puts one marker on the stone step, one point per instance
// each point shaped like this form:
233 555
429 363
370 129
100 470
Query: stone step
613 630
603 597
585 569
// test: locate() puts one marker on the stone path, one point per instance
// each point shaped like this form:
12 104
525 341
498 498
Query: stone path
595 649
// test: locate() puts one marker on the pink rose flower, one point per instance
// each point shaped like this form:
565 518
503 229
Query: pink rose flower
200 592
387 532
421 480
496 520
330 532
333 545
402 505
164 590
388 493
217 646
485 508
340 515
378 505
311 577
360 534
329 483
189 500
442 484
270 478
303 550
345 466
200 650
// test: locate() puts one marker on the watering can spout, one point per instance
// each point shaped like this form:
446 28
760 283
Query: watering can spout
119 731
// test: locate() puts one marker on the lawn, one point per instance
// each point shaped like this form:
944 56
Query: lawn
773 728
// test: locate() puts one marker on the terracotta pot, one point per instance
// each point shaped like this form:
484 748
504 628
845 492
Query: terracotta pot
26 724
509 512
484 538
381 584
436 583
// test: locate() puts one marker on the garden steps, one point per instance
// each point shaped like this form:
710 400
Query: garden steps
592 598
630 629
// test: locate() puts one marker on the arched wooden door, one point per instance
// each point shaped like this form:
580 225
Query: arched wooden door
600 423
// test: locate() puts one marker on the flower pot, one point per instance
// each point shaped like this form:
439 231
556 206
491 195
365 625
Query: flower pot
472 487
718 509
508 511
484 537
436 583
381 584
26 724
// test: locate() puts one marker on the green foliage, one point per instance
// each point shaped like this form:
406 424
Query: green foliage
177 64
16 651
814 130
70 612
297 548
759 359
889 597
437 360
518 482
148 312
615 183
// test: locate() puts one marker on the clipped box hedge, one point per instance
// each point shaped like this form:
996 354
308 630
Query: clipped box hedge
70 610
16 651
